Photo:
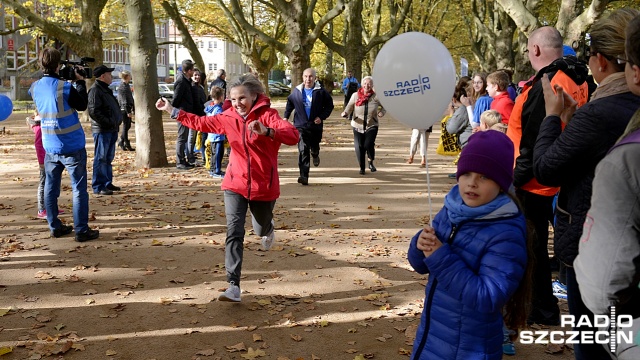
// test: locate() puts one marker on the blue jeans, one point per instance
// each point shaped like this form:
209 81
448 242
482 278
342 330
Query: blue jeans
216 164
76 165
105 151
235 206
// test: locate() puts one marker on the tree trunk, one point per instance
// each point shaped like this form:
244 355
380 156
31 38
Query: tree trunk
150 150
174 13
354 51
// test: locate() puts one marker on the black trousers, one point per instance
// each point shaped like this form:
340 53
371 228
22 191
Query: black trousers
124 134
308 145
538 211
365 144
181 144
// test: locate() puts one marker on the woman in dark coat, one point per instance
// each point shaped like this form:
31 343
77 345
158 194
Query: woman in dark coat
568 158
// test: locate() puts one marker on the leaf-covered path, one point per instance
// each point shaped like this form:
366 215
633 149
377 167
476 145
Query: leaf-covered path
336 285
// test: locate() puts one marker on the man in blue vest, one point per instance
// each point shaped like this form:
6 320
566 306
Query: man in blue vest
58 102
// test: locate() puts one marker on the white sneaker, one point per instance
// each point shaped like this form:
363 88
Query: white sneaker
231 294
267 241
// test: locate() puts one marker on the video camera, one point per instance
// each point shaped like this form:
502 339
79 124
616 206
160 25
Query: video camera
67 71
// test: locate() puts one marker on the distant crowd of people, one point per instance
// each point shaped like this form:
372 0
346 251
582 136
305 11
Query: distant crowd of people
553 152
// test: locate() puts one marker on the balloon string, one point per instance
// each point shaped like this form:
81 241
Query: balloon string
426 167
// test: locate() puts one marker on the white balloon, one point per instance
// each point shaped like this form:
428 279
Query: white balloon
414 78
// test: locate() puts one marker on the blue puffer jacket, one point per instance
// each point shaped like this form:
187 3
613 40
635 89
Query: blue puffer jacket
471 277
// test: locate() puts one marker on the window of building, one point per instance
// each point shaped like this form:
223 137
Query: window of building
210 67
120 54
215 44
210 44
114 53
162 57
126 55
105 55
11 60
215 66
163 30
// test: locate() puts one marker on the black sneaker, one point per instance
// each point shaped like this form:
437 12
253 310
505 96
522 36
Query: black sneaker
184 166
62 231
371 167
87 235
361 171
303 180
316 160
104 191
113 187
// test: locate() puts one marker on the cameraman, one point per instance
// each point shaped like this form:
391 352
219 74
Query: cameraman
58 102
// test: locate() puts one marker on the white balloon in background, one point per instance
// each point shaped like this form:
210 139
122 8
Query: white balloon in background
414 78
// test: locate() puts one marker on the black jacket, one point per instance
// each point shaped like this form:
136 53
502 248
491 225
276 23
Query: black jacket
321 106
533 112
221 84
200 97
104 109
125 98
183 94
568 159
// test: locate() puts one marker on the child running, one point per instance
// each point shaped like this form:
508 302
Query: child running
475 255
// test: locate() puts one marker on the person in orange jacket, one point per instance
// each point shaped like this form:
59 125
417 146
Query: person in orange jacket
544 49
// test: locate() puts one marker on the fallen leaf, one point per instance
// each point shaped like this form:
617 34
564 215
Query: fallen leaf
236 347
252 354
554 348
111 353
207 352
296 337
59 326
5 350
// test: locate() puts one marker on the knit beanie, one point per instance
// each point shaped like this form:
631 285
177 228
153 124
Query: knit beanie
489 153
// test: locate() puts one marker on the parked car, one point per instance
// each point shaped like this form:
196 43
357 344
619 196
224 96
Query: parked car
165 91
276 84
273 91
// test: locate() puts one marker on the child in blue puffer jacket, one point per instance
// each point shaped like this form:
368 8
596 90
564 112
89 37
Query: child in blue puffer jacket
475 255
215 141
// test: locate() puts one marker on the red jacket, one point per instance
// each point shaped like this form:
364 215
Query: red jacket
253 164
503 104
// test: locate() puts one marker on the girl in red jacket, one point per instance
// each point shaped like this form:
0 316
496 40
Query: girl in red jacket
254 131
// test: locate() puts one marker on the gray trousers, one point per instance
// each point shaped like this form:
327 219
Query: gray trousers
235 206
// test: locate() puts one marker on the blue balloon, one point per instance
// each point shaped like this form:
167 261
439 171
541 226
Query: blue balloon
6 107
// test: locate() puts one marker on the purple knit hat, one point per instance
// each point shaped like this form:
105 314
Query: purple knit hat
489 153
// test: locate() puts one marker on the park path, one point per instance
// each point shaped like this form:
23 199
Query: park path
335 286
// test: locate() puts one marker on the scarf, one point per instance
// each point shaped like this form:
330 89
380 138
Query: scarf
458 211
613 84
362 97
